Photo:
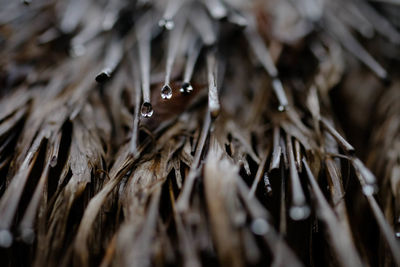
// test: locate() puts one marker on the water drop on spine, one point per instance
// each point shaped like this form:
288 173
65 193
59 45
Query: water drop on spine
103 76
77 50
368 189
53 161
281 108
166 92
259 226
28 235
6 239
299 213
186 88
146 110
167 24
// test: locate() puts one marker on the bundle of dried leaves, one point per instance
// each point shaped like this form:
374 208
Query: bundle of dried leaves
204 132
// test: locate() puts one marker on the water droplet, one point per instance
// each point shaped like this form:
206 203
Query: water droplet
267 184
240 218
259 226
219 12
166 92
298 213
77 50
147 110
103 76
53 161
368 189
28 235
186 88
109 21
6 238
281 108
168 24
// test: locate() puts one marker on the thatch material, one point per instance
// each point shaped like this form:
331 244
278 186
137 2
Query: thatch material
156 133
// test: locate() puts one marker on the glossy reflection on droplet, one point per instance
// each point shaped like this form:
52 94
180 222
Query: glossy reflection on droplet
298 213
147 110
186 88
166 92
